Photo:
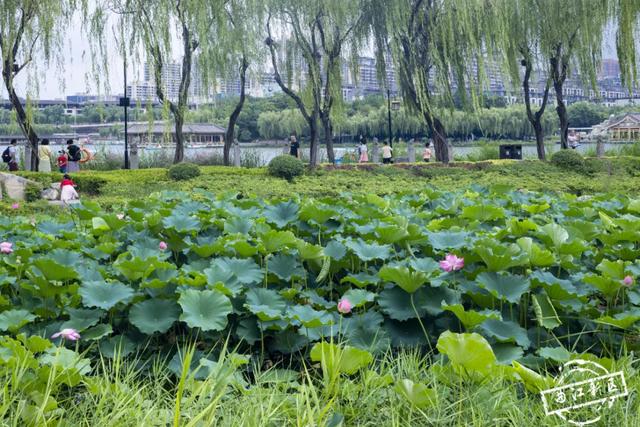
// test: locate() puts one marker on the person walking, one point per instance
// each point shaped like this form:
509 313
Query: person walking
426 154
387 153
10 155
294 146
44 156
364 154
74 156
62 161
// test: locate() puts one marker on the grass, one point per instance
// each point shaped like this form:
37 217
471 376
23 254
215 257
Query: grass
124 392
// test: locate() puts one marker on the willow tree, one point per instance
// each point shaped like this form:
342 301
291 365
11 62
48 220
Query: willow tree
155 24
319 33
30 29
438 52
627 14
516 33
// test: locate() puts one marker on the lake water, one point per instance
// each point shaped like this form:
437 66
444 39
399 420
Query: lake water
261 155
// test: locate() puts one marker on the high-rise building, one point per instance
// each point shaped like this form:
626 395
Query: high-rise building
171 76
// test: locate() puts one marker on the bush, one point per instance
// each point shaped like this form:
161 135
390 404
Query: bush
568 160
32 192
184 171
286 166
87 184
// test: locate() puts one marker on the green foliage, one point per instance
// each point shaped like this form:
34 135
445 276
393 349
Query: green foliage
285 166
568 160
32 192
183 171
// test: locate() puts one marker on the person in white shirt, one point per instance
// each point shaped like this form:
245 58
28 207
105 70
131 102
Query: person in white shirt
387 153
13 152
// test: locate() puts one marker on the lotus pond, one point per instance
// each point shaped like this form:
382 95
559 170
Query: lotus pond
490 281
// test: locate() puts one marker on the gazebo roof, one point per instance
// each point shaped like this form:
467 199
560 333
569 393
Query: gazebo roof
187 128
627 121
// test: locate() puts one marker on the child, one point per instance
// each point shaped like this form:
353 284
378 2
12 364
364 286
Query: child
62 161
426 154
364 155
387 153
67 190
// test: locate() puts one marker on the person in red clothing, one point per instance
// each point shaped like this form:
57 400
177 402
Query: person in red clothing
62 162
67 189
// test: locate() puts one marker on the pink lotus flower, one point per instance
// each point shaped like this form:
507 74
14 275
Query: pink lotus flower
344 306
627 281
6 247
451 263
163 246
15 206
67 334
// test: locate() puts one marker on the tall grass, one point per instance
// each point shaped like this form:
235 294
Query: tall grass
132 392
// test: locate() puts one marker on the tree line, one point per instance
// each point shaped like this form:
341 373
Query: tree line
440 51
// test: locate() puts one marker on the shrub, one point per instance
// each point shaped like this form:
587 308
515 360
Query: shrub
285 166
568 160
32 192
184 171
88 184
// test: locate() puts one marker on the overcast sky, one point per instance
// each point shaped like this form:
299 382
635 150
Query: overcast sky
56 84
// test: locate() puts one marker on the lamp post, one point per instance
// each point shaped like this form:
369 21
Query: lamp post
125 102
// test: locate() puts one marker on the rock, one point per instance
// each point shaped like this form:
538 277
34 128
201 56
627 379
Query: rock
14 186
55 185
49 194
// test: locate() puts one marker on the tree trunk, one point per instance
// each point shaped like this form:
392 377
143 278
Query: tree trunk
231 126
21 115
313 143
563 117
537 128
328 138
439 140
534 118
178 115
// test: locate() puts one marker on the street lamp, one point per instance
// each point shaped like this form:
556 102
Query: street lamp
395 105
125 102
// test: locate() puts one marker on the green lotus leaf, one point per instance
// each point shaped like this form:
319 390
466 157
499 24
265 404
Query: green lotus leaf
308 317
136 268
282 214
12 320
267 304
82 318
611 269
408 280
555 234
358 297
471 318
500 257
116 346
469 352
396 303
317 213
238 225
507 287
607 286
99 224
538 257
337 360
361 279
447 240
558 354
545 312
483 212
533 381
285 267
505 331
368 251
245 270
248 331
58 265
620 320
97 332
207 309
309 251
154 315
289 342
556 289
392 233
335 250
416 394
223 280
104 295
181 223
507 353
424 265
